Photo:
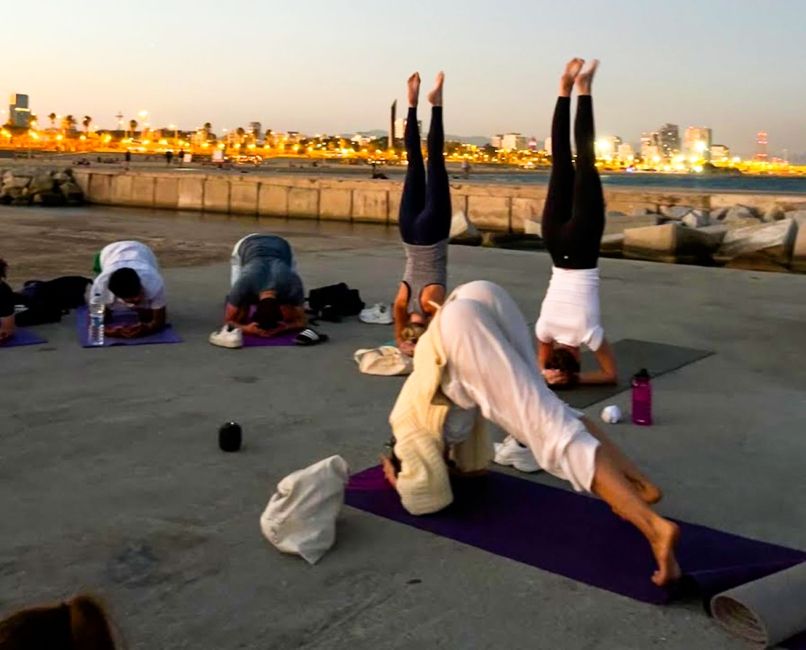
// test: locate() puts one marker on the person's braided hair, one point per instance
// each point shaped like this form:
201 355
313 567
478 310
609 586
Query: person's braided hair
3 268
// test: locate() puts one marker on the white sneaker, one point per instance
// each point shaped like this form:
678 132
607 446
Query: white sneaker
379 314
227 337
511 454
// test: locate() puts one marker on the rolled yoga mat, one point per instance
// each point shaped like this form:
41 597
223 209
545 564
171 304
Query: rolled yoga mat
767 611
167 335
631 356
576 536
22 337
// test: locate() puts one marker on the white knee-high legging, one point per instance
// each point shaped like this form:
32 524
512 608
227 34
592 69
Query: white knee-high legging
491 365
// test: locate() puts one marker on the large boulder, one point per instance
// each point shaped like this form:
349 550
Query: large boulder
41 183
798 263
675 212
72 193
695 219
766 246
773 213
740 213
463 231
673 243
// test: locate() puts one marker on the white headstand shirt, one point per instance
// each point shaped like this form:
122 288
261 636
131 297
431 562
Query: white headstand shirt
570 311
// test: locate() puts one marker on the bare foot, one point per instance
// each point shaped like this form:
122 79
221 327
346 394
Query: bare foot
569 75
585 77
435 96
665 539
414 89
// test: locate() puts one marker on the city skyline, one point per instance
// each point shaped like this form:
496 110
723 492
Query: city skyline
326 69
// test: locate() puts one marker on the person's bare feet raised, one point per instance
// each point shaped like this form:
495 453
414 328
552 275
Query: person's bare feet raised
569 76
663 542
585 77
413 84
435 96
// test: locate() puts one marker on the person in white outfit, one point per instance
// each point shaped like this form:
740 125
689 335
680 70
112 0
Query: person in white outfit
129 273
478 362
572 226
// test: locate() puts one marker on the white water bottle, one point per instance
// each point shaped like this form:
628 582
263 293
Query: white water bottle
97 311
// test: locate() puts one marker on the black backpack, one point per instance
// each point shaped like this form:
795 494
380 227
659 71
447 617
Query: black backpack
333 302
48 301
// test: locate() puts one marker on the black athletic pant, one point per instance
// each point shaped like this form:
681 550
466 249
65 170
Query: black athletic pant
425 209
574 214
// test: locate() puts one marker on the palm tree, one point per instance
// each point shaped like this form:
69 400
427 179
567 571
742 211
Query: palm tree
132 127
52 118
69 123
86 123
241 133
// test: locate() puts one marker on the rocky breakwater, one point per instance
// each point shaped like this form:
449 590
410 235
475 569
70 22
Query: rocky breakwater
54 187
740 236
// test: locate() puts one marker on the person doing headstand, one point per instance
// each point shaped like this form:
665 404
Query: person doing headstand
425 222
573 223
476 362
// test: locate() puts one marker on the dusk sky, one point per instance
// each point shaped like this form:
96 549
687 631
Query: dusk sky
329 66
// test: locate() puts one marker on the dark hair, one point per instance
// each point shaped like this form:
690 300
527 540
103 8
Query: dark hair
80 623
3 268
125 283
268 313
565 361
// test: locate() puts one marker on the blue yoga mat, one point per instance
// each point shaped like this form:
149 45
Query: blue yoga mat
22 337
167 335
578 537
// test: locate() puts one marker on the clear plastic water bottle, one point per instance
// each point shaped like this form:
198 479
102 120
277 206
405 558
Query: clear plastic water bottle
642 398
97 311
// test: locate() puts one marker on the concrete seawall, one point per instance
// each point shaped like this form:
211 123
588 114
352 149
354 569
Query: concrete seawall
499 208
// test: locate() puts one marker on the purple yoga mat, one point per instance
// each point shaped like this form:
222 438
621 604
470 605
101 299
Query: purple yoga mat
167 335
286 338
22 337
578 537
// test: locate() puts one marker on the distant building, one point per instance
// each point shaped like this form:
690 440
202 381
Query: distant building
547 145
400 128
761 146
669 140
719 153
255 132
513 142
625 152
697 142
650 147
19 114
533 144
496 140
607 147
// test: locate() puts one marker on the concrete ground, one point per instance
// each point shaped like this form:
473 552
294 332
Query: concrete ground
111 479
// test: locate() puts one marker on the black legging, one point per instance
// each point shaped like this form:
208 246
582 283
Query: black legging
574 213
425 209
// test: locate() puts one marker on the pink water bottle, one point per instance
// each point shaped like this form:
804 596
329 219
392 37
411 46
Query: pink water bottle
641 398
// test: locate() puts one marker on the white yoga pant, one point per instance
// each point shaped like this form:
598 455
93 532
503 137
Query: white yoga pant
491 365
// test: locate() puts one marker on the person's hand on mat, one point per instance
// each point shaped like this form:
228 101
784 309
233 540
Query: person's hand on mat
389 471
131 331
553 376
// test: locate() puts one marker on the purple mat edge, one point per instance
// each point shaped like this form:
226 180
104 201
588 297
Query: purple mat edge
165 337
22 337
696 584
